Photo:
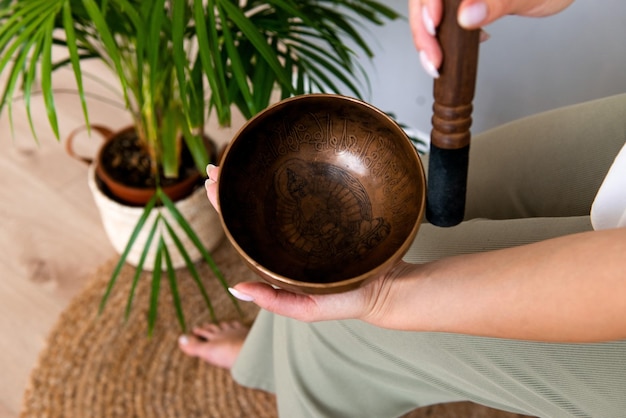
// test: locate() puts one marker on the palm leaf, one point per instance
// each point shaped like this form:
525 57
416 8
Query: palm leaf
46 78
168 135
155 288
196 241
30 80
338 23
108 43
263 83
16 70
373 8
208 49
251 32
131 241
195 93
24 18
149 105
70 33
236 65
171 278
195 144
32 32
191 268
321 75
178 54
140 264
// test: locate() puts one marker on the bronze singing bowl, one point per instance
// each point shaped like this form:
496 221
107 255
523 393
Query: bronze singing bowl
320 193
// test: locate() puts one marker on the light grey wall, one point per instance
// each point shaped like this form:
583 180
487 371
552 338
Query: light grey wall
529 65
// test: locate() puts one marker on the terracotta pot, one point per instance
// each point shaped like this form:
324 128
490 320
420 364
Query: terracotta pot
119 218
122 191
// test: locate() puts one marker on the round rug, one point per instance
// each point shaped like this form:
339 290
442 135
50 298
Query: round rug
104 366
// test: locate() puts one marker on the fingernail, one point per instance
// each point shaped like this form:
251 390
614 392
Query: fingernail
208 182
484 36
473 16
183 340
209 168
239 295
428 65
428 21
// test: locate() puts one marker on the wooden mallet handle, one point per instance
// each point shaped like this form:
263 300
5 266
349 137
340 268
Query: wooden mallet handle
452 118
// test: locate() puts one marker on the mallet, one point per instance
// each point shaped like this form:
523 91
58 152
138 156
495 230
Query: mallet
451 121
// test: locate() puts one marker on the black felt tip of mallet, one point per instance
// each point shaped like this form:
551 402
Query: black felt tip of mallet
447 185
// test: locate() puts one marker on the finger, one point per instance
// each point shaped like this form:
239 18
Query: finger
278 301
434 10
211 185
476 13
308 308
212 172
424 18
211 193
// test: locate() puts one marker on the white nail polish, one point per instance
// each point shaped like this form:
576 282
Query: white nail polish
241 296
183 340
473 16
428 66
428 21
209 168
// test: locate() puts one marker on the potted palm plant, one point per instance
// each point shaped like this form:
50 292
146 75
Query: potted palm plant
177 62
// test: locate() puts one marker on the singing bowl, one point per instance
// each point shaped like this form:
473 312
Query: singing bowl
320 193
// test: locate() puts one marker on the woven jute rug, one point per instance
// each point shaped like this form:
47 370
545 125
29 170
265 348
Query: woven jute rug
97 366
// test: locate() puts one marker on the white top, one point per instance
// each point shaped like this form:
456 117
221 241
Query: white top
609 207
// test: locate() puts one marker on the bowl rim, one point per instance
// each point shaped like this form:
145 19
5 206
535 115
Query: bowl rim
342 285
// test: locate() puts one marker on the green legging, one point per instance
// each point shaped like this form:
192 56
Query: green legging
529 180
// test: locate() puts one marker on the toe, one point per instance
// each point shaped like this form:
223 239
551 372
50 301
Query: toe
237 325
189 345
207 331
229 325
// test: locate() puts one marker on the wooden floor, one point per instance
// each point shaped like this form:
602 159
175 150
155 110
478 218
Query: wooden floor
51 237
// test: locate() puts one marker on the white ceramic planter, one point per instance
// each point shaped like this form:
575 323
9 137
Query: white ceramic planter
119 221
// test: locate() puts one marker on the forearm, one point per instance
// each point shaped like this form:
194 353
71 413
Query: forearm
571 288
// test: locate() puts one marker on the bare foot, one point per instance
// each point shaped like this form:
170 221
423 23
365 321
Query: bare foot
217 344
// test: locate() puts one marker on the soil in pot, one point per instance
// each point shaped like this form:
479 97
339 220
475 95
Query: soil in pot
126 162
